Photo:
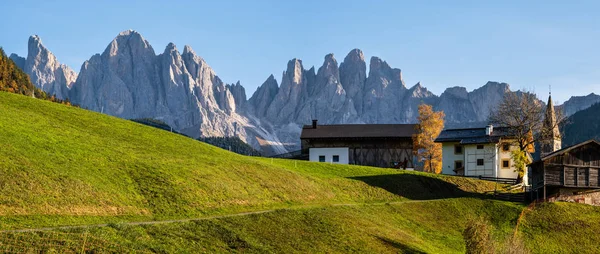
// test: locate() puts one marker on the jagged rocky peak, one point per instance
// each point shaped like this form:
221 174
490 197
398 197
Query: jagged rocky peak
487 97
576 103
494 85
19 61
264 95
380 67
457 92
187 49
171 46
418 91
239 94
171 50
224 97
295 70
355 56
45 71
329 68
353 75
129 40
354 68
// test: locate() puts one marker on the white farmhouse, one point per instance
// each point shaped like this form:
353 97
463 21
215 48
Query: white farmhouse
482 152
377 145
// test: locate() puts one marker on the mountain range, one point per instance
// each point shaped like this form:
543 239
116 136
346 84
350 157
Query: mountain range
130 80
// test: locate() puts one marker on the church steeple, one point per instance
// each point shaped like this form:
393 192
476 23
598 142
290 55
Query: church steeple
551 139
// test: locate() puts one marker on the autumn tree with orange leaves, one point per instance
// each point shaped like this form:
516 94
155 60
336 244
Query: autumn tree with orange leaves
430 125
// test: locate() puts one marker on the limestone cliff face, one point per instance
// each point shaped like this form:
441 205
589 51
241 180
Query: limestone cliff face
129 80
353 76
264 96
456 98
44 70
578 103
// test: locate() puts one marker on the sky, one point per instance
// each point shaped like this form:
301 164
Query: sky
530 45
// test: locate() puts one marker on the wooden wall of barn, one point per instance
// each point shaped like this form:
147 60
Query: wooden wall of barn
370 152
577 168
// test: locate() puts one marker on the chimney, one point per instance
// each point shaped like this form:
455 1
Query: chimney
489 129
314 123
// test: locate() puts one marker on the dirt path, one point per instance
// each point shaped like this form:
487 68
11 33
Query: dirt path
207 217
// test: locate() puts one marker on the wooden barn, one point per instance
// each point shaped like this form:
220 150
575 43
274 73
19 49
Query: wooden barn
378 145
569 174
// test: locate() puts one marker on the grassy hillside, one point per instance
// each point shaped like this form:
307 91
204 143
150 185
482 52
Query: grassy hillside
63 165
411 227
562 228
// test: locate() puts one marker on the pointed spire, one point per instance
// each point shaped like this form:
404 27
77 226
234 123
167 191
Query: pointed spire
551 134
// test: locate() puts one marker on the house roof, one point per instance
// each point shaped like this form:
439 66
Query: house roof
359 131
569 148
473 135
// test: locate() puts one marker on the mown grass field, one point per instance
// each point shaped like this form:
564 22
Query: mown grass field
62 166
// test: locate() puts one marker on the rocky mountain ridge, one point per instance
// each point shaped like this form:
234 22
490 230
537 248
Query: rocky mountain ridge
130 80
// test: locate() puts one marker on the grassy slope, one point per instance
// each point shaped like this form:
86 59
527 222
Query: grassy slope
562 228
429 226
63 165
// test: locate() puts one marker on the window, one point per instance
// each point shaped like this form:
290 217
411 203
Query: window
505 147
458 149
336 158
480 162
321 158
479 147
458 164
505 163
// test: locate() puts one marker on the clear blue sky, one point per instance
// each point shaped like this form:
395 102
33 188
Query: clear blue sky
466 43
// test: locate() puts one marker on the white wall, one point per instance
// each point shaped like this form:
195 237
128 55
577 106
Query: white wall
491 154
343 152
505 155
488 154
448 158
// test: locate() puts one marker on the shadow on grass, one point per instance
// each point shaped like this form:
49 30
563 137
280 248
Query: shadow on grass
417 187
403 248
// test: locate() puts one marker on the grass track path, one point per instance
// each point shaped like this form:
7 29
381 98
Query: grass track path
138 223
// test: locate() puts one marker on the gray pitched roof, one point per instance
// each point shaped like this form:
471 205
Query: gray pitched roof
359 131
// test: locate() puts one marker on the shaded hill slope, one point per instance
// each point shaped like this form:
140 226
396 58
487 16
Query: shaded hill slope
582 126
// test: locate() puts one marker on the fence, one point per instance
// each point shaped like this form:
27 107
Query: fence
511 181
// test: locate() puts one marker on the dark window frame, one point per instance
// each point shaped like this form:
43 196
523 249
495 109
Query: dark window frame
479 147
506 147
457 162
324 159
506 161
482 162
335 158
458 147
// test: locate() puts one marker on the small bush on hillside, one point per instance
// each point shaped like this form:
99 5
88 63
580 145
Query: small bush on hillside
514 245
477 237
